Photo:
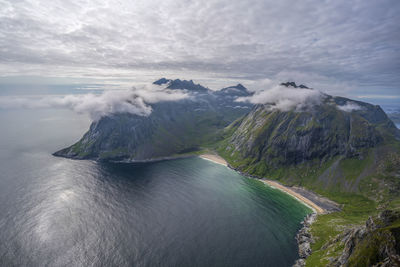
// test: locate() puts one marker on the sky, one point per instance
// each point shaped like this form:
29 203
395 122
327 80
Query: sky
341 47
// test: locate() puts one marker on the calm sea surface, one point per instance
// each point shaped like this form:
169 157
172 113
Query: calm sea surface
190 212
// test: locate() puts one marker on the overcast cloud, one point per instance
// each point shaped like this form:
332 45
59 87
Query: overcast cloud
135 101
349 107
285 98
337 45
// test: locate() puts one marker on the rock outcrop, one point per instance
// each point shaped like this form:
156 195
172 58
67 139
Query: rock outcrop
304 240
377 243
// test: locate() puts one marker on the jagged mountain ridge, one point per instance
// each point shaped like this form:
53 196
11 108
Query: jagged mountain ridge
173 128
350 155
294 85
181 84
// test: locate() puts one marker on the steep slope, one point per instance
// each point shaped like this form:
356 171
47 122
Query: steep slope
267 140
173 128
346 150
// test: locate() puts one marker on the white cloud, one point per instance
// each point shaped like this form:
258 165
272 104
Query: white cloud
135 101
355 42
349 107
285 98
259 84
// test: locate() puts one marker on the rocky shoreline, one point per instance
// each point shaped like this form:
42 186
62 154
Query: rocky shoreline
304 240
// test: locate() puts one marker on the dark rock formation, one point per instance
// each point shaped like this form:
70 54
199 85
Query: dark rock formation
293 84
172 129
181 84
277 138
304 240
377 243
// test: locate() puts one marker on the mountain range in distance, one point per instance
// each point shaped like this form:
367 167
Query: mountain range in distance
343 149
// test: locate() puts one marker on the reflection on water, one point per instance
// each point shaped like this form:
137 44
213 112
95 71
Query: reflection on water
188 212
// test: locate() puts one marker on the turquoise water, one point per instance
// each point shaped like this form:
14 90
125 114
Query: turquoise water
187 212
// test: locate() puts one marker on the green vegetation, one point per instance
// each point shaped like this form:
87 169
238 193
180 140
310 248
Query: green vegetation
303 149
352 158
355 211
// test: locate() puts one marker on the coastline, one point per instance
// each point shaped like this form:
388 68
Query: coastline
318 204
214 158
304 196
316 209
304 237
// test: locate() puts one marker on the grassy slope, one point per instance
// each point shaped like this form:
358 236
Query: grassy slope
365 187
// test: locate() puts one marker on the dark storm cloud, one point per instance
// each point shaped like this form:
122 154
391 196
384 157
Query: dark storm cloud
351 42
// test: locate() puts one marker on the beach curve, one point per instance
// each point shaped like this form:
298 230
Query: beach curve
309 203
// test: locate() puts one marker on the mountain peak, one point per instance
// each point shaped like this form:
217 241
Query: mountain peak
181 84
236 90
239 86
293 84
162 81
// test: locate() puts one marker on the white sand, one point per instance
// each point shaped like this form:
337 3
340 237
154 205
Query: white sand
309 203
289 191
214 158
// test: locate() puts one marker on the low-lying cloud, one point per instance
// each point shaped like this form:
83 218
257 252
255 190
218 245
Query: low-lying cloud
285 98
349 107
135 101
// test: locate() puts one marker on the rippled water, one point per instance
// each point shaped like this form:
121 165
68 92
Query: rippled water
190 212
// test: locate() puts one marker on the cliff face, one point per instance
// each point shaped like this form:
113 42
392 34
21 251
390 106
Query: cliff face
274 138
171 129
294 137
341 148
344 149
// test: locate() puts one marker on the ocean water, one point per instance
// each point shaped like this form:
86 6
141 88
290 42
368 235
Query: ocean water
188 212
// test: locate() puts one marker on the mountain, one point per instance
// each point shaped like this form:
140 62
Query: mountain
268 139
181 84
234 91
346 150
294 85
172 129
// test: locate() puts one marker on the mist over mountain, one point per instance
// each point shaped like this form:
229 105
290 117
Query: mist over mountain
342 148
289 124
172 127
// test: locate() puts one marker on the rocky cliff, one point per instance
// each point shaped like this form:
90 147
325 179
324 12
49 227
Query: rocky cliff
377 243
267 140
173 128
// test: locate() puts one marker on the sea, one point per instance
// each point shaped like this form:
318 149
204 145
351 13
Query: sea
186 212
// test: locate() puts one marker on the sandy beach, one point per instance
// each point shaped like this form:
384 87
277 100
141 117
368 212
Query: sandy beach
289 191
308 202
214 158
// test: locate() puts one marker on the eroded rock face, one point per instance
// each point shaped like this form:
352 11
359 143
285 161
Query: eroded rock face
304 240
279 138
172 128
377 243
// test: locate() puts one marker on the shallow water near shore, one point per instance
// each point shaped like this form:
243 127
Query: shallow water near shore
186 212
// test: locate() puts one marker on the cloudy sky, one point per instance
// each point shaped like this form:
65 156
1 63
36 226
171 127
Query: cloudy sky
344 47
